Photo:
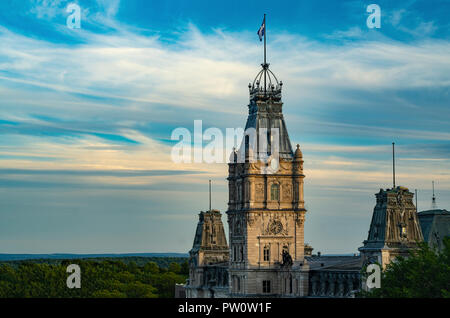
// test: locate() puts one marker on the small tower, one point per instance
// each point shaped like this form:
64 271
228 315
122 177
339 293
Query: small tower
208 258
433 199
394 229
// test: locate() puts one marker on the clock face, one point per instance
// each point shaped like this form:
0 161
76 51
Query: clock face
276 227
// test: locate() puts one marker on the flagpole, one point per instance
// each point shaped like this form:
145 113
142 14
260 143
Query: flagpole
265 32
265 64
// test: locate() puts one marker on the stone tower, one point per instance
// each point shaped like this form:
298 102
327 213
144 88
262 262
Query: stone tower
394 229
266 206
208 258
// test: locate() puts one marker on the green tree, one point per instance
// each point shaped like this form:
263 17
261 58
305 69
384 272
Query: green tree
175 268
425 274
151 267
184 268
102 278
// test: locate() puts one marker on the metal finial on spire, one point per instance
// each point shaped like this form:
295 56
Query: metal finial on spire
265 85
433 199
393 163
265 66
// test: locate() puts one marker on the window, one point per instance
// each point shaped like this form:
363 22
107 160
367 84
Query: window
238 284
403 231
275 192
247 144
266 253
213 235
266 286
290 285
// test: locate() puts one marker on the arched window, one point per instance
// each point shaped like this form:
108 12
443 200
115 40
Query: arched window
275 192
266 253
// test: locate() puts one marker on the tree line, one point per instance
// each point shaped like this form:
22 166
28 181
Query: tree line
99 279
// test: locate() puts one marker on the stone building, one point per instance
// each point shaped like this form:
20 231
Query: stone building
394 229
208 258
267 256
334 276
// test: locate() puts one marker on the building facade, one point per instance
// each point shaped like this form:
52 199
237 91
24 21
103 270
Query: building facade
267 255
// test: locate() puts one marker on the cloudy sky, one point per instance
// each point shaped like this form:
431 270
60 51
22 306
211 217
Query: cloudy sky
86 115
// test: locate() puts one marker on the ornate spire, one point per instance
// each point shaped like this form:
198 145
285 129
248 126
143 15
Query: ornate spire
265 85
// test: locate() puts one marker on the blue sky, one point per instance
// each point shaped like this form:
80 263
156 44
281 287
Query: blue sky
86 115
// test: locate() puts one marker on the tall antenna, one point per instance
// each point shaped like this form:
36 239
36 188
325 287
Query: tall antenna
417 209
209 195
393 163
433 199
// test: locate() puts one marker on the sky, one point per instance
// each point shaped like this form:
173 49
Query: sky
86 115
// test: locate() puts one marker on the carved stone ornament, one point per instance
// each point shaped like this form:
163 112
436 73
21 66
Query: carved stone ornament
250 219
276 227
287 192
259 189
300 219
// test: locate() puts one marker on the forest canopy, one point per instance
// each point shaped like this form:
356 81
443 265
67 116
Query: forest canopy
100 278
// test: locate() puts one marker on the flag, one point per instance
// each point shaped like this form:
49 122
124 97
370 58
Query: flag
262 29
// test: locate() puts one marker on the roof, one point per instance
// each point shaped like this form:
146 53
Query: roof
335 263
435 225
265 114
434 212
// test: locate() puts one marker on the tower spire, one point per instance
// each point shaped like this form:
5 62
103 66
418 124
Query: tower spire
393 163
433 199
417 209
